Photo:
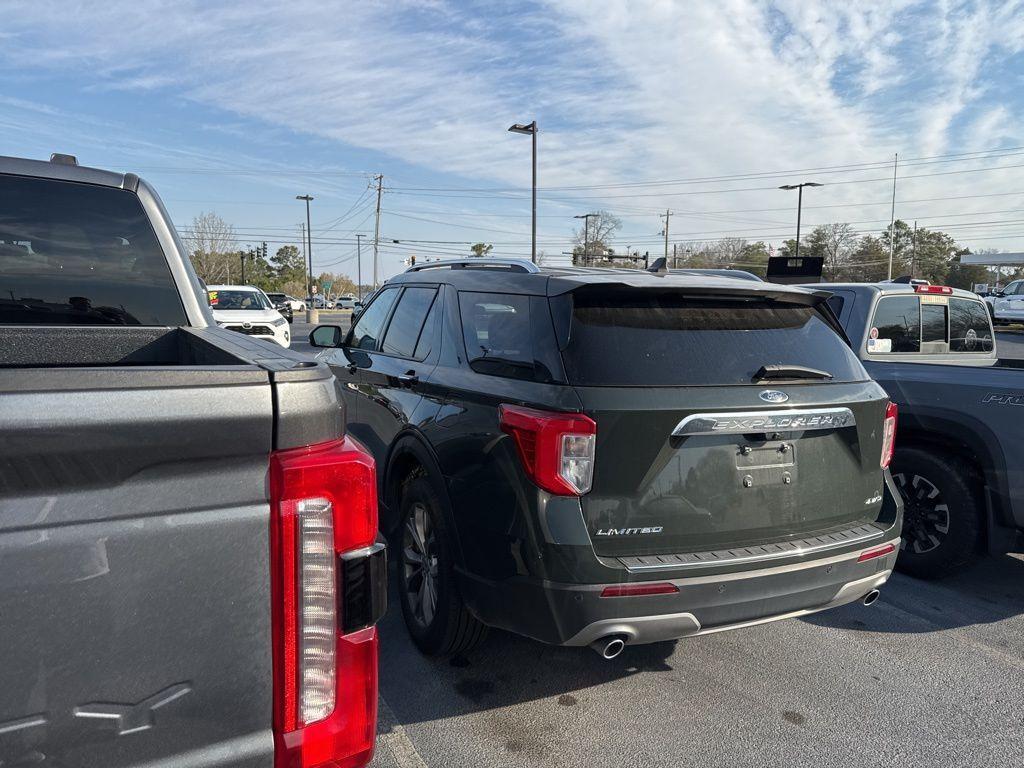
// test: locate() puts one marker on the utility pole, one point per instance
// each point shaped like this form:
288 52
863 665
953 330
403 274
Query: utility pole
892 218
376 229
667 216
359 265
241 256
675 256
312 315
913 252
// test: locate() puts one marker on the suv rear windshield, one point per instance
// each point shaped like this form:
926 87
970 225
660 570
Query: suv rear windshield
647 338
80 254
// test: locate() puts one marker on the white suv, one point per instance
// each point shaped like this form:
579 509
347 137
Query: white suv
247 310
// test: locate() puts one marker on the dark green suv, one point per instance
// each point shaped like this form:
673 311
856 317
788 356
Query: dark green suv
604 457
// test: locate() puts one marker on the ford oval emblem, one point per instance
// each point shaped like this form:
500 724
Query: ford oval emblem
774 396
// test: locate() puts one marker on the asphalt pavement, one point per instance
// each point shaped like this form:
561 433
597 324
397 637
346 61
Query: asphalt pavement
930 675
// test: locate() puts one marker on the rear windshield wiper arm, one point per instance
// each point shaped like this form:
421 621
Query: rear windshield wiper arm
768 372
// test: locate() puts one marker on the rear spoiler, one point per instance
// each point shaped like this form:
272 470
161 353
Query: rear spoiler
703 286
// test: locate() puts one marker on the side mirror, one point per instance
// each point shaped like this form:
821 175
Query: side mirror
325 336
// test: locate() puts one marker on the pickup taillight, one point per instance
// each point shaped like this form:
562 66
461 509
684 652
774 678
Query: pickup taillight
328 590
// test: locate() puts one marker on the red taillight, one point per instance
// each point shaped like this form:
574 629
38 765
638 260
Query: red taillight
888 434
634 590
323 501
943 289
557 449
871 554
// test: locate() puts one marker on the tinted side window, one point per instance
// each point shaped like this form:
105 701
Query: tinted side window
496 328
79 254
367 331
898 323
407 321
933 323
835 303
969 329
429 332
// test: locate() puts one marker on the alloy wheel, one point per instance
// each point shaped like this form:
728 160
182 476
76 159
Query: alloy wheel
419 562
925 514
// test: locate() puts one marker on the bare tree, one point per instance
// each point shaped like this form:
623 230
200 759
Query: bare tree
212 246
596 234
481 249
836 243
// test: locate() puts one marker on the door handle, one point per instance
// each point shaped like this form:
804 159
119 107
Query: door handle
409 378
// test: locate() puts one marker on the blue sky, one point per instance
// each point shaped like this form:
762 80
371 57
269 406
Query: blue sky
236 108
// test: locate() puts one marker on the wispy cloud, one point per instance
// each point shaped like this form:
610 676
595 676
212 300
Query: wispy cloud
624 90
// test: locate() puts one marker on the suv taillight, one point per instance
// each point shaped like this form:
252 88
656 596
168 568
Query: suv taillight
328 591
888 434
557 449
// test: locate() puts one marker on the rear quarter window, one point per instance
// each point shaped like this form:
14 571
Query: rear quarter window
508 335
648 338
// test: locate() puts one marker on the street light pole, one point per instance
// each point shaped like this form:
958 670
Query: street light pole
586 234
799 206
312 315
531 129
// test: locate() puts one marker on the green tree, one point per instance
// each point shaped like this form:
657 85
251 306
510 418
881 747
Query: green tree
481 249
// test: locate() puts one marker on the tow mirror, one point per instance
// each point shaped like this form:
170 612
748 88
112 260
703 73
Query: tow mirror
325 336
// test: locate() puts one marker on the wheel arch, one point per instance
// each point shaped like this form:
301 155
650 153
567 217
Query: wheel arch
412 456
970 442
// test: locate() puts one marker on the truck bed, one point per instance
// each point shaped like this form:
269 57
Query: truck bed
134 552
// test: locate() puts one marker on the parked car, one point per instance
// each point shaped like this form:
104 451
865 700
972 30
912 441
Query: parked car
959 463
188 566
345 302
601 457
245 309
282 305
1007 304
298 305
319 302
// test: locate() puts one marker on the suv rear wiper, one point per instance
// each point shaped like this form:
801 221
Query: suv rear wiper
767 372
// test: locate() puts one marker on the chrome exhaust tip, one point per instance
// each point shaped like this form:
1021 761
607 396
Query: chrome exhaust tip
609 647
871 597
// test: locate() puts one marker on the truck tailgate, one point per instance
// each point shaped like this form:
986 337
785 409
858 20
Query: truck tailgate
134 567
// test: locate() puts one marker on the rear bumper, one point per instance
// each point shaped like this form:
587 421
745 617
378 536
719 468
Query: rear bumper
569 614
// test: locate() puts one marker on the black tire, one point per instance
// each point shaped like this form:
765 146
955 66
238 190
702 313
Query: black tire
942 515
441 626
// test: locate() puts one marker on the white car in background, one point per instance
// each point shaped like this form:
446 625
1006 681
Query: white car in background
246 309
1007 305
298 305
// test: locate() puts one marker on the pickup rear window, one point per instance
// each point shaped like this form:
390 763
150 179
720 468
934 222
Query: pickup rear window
80 254
914 324
648 338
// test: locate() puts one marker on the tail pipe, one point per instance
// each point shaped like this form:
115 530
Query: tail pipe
871 597
609 646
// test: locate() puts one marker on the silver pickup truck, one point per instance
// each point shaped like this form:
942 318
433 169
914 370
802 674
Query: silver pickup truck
959 459
189 573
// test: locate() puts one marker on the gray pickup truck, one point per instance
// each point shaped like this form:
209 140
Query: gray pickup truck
188 568
959 459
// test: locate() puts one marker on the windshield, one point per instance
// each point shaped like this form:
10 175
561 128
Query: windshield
222 299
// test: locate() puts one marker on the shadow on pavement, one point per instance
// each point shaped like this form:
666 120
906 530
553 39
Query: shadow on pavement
987 592
504 670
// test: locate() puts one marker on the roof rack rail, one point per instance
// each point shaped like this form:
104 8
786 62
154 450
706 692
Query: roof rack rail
487 262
